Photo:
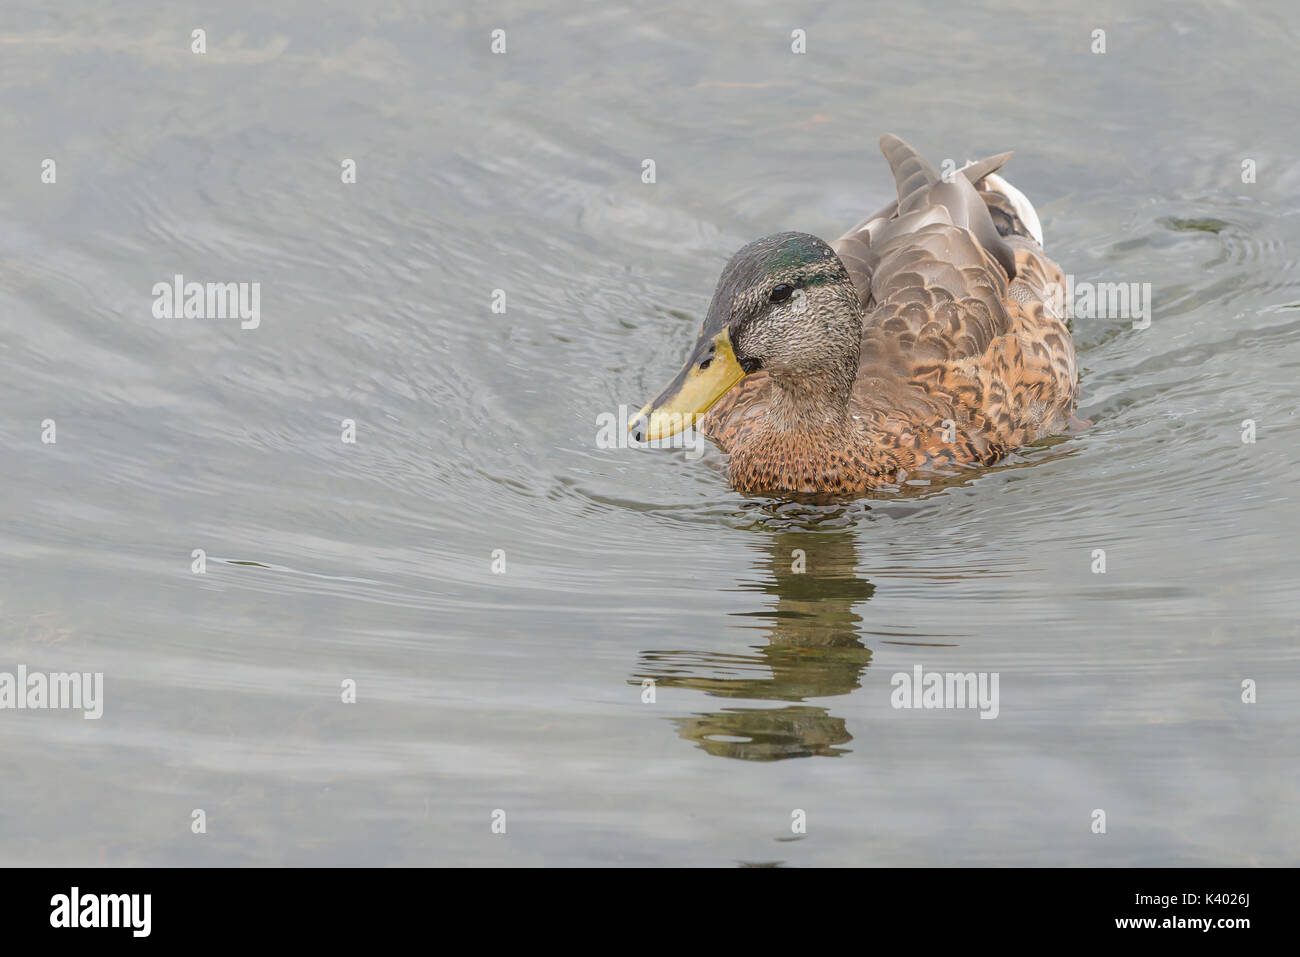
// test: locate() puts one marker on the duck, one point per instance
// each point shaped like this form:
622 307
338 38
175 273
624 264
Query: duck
931 337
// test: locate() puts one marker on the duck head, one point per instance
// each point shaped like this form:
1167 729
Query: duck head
784 304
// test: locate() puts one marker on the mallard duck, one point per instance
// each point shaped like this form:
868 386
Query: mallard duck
930 336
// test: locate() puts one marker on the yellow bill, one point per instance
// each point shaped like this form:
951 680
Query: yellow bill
708 375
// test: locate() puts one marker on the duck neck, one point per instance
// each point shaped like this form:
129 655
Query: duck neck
813 401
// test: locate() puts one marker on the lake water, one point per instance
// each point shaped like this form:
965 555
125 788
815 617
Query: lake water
500 588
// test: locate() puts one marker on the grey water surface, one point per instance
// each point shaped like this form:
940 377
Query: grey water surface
503 591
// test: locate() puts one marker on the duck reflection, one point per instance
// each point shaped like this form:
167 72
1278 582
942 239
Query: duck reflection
812 651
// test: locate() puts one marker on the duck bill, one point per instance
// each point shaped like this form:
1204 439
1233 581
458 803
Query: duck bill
708 375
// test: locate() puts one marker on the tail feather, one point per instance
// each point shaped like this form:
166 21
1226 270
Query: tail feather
913 176
920 191
976 170
921 188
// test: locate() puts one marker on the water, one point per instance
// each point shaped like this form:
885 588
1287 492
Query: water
522 691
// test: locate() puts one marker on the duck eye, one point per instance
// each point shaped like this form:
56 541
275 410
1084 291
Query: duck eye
780 293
